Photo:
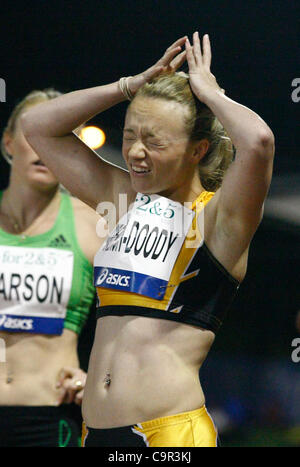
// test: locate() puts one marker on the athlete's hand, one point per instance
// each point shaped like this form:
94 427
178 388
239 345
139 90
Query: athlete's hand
202 81
172 59
70 384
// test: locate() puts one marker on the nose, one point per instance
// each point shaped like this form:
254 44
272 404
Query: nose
137 150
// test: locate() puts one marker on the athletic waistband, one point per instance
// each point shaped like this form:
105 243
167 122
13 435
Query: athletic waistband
177 418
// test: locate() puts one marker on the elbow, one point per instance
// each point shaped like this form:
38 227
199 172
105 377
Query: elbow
264 144
27 124
267 141
30 124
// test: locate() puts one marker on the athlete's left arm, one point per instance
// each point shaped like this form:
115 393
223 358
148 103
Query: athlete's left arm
245 185
240 200
91 228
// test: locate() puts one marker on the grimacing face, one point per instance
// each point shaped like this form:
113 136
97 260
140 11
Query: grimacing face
156 145
26 165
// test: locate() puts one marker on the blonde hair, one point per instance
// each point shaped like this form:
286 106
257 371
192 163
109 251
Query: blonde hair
200 123
33 98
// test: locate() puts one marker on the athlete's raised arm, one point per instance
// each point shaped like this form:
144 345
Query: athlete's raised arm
49 126
245 185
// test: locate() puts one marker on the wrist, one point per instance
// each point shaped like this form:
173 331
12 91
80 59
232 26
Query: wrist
135 83
210 96
125 88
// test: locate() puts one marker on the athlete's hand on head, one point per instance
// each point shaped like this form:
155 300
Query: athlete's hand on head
202 81
172 59
70 384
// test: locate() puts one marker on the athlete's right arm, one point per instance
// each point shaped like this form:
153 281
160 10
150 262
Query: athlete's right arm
48 128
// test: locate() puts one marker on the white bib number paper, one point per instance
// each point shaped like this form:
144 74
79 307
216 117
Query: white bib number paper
35 286
139 255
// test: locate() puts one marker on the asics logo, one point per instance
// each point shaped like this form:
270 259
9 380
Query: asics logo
112 279
102 276
7 322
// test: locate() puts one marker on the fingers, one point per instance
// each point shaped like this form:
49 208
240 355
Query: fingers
174 57
206 51
173 50
196 55
78 398
180 42
178 61
62 376
197 48
66 372
71 382
190 54
70 391
169 55
151 73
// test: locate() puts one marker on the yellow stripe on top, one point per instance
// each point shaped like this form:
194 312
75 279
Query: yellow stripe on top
108 297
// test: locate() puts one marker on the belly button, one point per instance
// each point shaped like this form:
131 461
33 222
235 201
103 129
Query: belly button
107 380
9 377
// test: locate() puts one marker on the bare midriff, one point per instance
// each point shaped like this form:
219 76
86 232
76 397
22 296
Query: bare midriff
143 368
32 365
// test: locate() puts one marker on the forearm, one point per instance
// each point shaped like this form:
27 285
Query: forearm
60 116
245 128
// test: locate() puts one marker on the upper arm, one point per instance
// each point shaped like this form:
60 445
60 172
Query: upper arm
244 189
80 169
90 229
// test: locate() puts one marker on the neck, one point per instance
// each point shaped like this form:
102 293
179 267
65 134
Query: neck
26 203
187 191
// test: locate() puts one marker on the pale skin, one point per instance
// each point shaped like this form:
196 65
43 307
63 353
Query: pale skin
154 364
40 369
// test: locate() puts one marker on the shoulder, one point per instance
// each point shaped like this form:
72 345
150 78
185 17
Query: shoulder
88 225
83 211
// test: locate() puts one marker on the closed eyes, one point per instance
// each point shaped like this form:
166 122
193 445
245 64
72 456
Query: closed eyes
151 143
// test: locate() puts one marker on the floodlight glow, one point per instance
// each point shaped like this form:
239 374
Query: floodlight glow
93 136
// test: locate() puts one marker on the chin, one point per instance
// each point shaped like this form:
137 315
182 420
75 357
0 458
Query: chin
44 185
143 187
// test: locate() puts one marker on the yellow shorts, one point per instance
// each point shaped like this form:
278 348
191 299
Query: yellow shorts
188 429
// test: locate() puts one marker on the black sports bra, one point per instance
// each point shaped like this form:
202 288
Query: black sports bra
199 290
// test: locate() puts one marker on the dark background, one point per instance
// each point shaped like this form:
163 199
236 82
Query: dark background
252 385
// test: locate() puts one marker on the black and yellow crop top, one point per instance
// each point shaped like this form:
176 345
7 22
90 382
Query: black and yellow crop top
140 270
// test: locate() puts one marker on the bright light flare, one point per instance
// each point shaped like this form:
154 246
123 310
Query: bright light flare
93 136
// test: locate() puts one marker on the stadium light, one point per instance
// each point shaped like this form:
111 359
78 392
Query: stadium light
93 136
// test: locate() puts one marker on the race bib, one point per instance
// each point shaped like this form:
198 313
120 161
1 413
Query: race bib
35 286
139 255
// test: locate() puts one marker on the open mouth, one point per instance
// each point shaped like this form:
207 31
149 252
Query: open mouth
39 163
40 166
140 170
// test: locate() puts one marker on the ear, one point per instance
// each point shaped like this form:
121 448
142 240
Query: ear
200 148
8 143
